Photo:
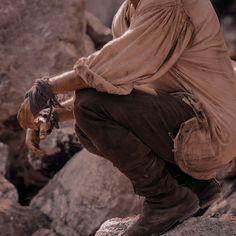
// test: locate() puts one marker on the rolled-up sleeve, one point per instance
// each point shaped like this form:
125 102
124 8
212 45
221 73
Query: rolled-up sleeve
157 36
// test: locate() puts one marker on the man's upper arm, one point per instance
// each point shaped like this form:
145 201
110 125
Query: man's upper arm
156 38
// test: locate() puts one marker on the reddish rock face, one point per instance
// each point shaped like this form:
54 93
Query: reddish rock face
36 38
193 227
7 190
16 220
85 193
104 9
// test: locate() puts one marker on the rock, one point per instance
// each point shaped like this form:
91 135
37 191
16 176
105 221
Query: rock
4 158
99 33
44 232
226 205
63 230
7 190
85 193
59 146
104 9
36 38
192 227
30 173
16 220
116 226
204 226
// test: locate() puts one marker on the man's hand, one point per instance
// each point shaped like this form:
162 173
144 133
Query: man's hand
32 141
63 83
25 117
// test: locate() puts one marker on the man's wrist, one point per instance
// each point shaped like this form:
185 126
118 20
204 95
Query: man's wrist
66 82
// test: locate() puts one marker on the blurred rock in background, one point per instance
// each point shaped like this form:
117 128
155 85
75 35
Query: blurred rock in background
36 38
104 9
198 226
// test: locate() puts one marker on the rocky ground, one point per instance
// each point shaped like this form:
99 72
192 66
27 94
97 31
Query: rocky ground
71 192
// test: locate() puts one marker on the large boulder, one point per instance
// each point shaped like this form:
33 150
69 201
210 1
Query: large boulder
115 226
225 207
192 227
36 38
85 193
104 9
16 220
99 33
7 190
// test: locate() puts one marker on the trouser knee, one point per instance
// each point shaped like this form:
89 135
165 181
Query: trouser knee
82 105
86 142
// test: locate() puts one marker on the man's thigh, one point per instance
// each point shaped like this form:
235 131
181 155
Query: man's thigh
155 119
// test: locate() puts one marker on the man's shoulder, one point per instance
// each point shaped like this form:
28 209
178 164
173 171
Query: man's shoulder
202 15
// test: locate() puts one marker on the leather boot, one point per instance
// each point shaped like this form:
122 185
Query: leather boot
110 124
208 191
166 206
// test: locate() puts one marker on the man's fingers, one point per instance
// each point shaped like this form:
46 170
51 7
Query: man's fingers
32 143
25 117
44 130
35 150
38 152
20 118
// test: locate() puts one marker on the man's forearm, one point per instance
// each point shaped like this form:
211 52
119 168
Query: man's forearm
66 82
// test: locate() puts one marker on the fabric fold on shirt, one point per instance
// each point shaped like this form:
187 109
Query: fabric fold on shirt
137 57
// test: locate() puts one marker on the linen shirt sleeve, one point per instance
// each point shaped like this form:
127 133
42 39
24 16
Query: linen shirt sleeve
157 36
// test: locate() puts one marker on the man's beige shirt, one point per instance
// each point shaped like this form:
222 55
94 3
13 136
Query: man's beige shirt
174 46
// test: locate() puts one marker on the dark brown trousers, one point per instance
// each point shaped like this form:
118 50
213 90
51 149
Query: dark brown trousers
135 132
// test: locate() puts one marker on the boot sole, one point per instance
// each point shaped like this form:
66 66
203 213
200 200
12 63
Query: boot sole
195 209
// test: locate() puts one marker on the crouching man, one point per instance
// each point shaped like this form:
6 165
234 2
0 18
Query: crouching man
158 101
